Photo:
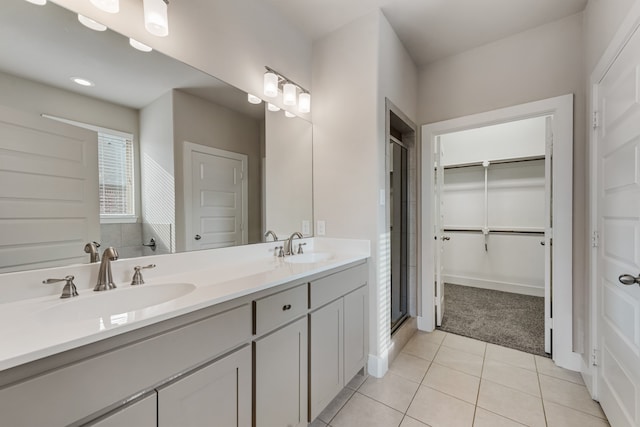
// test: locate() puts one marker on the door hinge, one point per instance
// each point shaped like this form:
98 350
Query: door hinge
595 239
596 120
595 357
435 301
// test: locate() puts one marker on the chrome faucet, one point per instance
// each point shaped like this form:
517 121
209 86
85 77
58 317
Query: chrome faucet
270 232
69 289
288 247
105 280
92 249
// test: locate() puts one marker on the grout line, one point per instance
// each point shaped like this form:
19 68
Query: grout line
544 411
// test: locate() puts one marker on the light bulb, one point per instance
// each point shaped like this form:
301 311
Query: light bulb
289 94
253 99
90 23
38 2
156 20
272 107
110 6
270 84
289 115
304 102
140 46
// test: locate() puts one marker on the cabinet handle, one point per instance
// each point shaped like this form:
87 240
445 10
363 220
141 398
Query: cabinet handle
286 307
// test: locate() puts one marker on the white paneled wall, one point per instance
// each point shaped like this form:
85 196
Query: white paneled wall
511 262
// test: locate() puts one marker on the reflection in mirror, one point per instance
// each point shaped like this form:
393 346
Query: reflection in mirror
197 148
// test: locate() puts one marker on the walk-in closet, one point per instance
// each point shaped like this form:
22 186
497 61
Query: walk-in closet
493 187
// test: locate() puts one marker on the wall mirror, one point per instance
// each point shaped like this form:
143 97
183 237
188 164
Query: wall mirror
209 169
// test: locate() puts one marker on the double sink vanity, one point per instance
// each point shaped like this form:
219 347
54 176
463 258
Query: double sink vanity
225 337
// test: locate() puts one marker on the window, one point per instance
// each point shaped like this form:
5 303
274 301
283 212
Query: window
115 176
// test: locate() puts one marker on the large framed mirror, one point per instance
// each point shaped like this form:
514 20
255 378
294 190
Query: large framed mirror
150 155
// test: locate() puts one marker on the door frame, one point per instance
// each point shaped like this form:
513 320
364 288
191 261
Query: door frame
561 108
190 147
617 43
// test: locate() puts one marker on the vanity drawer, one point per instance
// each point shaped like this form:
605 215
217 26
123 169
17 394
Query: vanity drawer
334 286
278 309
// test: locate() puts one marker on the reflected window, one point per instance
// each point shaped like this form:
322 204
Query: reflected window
115 167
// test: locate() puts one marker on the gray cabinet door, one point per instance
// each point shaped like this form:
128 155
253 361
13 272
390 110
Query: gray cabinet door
142 413
356 339
326 357
216 395
281 377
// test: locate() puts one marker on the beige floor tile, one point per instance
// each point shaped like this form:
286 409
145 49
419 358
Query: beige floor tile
460 360
392 390
452 382
510 403
357 381
410 422
440 410
410 367
569 394
361 411
465 344
436 336
511 357
335 405
561 416
547 367
485 418
511 376
420 345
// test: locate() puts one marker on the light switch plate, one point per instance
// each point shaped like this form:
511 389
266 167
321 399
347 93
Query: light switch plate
306 227
320 228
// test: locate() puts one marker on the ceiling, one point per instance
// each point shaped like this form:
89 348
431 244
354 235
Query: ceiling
431 29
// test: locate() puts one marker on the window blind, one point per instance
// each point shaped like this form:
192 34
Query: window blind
115 168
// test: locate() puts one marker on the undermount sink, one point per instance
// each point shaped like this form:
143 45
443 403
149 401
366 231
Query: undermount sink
308 258
94 305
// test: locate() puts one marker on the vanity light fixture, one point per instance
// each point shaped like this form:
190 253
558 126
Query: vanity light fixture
38 2
272 107
273 81
156 20
82 82
90 23
140 46
109 6
304 102
289 115
253 99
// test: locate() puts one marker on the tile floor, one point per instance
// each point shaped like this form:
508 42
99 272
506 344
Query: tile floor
445 380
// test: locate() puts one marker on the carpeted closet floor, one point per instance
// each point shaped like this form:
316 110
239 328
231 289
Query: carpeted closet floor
503 318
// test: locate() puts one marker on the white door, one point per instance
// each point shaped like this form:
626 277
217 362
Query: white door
439 231
617 140
548 233
49 205
218 199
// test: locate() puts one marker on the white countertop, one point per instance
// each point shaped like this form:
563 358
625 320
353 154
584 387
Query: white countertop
29 331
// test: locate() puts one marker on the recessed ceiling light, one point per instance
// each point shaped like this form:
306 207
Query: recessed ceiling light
82 82
140 46
273 107
90 23
289 115
38 2
253 99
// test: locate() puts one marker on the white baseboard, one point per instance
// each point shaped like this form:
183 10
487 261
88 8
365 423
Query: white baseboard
378 365
516 288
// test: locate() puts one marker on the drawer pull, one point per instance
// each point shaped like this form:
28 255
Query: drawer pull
286 307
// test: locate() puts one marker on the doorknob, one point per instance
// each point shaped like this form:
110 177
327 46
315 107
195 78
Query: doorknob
542 243
628 279
198 237
446 238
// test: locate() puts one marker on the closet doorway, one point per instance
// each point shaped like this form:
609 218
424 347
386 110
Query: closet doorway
496 212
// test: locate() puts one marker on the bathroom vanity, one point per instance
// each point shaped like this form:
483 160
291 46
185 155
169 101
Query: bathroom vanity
236 337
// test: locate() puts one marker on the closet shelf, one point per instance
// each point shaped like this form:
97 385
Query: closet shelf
495 162
496 230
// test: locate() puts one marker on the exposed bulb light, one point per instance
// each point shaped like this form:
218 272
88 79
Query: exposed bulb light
253 99
140 46
304 102
156 20
82 82
110 6
90 23
38 2
272 107
270 84
289 94
289 115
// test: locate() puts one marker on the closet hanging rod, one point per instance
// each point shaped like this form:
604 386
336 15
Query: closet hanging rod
478 230
495 162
